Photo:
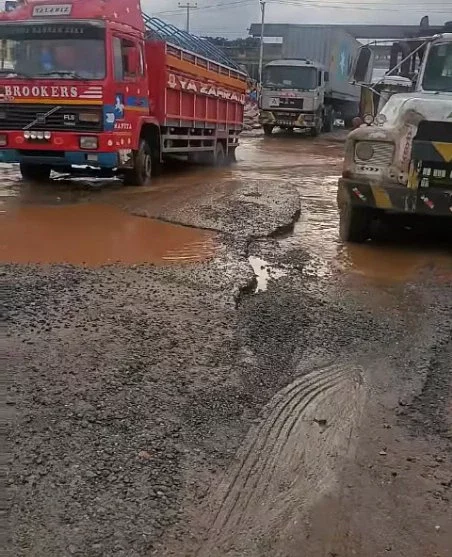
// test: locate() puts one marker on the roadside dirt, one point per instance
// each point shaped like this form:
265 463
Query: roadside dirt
239 384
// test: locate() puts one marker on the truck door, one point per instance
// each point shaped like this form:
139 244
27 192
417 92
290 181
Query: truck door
130 91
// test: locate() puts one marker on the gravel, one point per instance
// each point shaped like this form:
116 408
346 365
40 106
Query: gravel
131 389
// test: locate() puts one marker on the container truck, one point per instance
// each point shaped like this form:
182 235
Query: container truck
310 85
400 161
98 84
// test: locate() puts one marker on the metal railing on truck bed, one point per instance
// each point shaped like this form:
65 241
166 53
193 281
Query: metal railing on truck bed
160 30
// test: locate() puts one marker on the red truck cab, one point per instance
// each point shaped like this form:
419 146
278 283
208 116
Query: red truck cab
86 83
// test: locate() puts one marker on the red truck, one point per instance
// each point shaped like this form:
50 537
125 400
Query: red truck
98 84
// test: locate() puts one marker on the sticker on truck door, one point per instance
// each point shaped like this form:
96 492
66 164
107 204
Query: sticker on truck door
274 101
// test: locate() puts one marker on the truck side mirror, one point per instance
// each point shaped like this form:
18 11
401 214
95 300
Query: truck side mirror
363 65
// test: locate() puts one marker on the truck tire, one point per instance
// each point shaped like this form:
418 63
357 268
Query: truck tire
232 157
37 173
355 223
140 174
217 157
318 129
329 121
268 129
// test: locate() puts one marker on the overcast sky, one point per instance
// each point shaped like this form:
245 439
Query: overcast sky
231 18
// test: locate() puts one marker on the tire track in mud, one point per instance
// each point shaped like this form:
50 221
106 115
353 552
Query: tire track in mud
286 463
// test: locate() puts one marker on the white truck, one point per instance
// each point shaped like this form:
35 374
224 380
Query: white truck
400 161
311 84
293 96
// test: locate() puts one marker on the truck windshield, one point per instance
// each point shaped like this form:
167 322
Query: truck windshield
55 50
290 77
438 72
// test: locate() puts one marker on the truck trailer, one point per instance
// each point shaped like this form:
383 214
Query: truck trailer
310 85
100 85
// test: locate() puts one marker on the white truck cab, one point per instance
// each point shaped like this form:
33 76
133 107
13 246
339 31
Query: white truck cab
401 160
293 96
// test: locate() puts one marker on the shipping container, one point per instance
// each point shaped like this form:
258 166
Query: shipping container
331 47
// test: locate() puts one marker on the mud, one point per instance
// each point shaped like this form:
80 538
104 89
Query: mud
288 454
93 235
282 395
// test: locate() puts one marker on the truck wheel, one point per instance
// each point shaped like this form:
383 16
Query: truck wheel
318 129
217 157
268 129
140 174
232 157
354 223
37 173
328 123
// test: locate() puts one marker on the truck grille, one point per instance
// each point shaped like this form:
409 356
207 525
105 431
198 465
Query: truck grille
60 118
383 153
291 103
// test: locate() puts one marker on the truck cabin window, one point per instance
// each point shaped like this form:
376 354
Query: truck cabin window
127 59
57 51
290 77
438 72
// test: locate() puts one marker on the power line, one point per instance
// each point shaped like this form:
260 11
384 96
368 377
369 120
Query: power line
188 6
220 6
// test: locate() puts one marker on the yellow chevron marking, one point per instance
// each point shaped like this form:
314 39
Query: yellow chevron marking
445 150
382 199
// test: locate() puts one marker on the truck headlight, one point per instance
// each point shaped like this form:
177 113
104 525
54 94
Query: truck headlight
380 153
92 117
89 142
364 151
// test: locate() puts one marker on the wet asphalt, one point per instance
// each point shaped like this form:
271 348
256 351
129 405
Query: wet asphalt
148 332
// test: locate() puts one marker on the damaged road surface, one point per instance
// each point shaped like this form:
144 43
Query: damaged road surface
201 368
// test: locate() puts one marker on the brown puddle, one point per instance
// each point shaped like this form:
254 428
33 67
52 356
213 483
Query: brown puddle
388 264
94 235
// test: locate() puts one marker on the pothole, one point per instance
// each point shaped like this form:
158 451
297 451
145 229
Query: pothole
92 235
265 272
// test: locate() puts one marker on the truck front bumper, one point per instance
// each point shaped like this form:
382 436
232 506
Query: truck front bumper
396 198
57 159
290 120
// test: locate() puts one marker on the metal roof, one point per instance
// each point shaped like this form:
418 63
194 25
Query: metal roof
160 30
357 31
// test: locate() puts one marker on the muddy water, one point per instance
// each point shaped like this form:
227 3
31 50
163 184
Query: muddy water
314 168
30 227
264 272
94 235
88 222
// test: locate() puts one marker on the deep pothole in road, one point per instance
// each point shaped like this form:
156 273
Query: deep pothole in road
265 272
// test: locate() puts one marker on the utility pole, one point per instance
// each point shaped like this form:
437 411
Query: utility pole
188 6
261 53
